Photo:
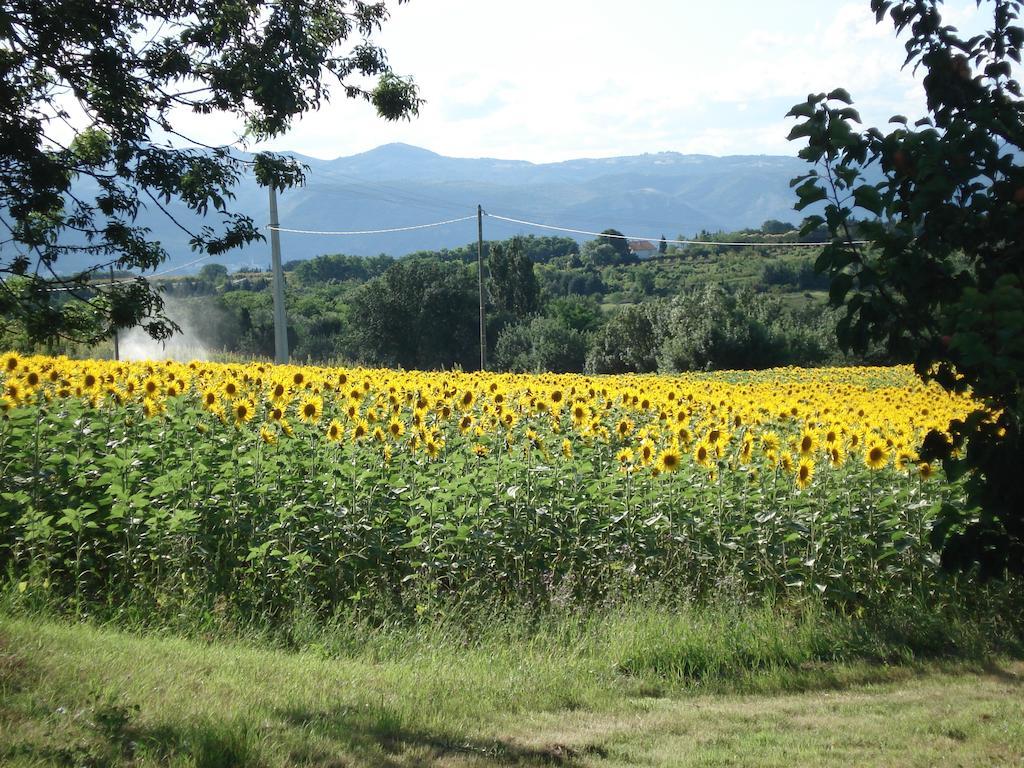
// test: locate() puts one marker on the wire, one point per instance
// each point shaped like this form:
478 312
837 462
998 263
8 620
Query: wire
499 217
106 283
181 266
370 231
655 239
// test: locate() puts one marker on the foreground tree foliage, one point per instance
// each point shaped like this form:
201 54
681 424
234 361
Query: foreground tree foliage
97 90
941 277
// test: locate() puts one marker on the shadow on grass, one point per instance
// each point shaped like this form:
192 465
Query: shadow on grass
207 744
1008 676
336 738
378 735
810 677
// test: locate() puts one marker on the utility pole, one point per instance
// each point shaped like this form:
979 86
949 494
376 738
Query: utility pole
117 352
280 322
480 280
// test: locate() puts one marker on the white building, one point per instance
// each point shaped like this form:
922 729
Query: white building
644 249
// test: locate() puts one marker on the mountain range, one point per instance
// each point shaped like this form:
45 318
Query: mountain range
398 185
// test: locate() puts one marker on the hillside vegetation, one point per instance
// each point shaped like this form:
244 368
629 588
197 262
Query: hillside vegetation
551 305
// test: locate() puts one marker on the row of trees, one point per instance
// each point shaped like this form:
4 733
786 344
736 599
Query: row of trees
422 312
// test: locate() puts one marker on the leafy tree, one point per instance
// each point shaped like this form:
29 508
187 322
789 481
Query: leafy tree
627 343
598 253
582 313
541 249
511 282
418 314
616 240
213 273
776 227
541 344
711 329
340 267
133 68
941 278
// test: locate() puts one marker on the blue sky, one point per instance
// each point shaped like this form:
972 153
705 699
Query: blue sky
548 80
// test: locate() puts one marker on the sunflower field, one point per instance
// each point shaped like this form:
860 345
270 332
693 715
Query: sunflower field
163 484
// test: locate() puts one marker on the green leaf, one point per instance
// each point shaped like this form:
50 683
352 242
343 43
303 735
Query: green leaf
840 94
839 287
867 197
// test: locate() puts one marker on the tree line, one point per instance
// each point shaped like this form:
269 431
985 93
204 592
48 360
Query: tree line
552 304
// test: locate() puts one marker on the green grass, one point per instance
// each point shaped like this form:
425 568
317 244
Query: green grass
648 686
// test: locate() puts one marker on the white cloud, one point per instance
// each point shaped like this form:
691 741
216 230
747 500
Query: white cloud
545 80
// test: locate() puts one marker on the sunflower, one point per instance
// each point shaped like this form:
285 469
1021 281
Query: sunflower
567 448
151 407
833 435
311 409
904 460
702 453
804 473
925 470
836 456
786 462
335 431
877 456
396 428
480 450
580 414
242 410
684 436
268 435
11 361
13 391
360 430
646 452
433 447
669 460
279 392
625 456
808 442
747 449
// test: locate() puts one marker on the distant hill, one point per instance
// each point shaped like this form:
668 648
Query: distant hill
400 185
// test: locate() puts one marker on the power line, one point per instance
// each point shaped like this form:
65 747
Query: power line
97 284
499 217
655 239
554 227
371 231
181 266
